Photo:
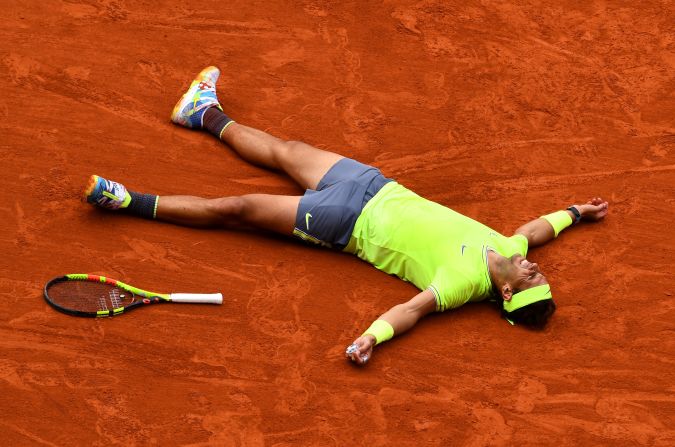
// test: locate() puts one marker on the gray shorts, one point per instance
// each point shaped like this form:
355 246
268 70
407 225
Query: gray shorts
327 216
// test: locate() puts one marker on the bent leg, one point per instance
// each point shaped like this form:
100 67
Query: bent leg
199 108
265 211
303 163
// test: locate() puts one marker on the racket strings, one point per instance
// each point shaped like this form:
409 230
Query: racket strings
102 305
114 296
88 296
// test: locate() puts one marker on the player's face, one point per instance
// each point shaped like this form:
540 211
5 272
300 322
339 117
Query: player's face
526 274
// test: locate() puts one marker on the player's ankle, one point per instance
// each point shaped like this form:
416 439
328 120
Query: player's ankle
215 121
142 205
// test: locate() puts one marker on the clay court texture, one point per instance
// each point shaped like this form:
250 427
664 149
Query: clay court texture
500 110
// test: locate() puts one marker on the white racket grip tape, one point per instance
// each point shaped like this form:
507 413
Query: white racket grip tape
198 298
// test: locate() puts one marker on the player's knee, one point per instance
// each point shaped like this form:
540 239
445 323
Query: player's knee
294 146
228 209
288 151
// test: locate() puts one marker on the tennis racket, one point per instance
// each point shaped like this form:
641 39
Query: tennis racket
98 296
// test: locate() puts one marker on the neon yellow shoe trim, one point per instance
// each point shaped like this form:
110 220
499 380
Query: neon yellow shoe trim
127 200
198 95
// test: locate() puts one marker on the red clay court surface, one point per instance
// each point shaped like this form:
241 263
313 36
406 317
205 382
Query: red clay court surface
502 111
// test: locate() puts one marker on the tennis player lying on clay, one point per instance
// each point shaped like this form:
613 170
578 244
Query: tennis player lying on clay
352 207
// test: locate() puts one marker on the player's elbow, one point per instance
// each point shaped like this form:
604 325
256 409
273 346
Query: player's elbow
524 231
531 234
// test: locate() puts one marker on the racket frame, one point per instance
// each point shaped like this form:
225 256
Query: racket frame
146 296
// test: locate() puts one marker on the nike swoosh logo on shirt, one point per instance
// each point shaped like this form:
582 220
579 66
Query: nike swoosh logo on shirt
463 247
307 216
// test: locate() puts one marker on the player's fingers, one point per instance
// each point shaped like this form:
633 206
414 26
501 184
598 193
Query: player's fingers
358 352
354 353
351 349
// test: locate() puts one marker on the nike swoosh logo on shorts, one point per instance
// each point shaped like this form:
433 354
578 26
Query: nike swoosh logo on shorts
307 216
463 247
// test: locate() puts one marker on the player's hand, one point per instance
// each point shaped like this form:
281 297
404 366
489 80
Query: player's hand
595 209
361 350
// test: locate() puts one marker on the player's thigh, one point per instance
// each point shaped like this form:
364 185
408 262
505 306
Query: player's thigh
271 212
307 164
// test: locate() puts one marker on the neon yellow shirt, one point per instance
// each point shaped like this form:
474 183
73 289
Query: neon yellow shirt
429 245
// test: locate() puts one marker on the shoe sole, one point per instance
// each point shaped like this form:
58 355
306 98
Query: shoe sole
187 96
91 185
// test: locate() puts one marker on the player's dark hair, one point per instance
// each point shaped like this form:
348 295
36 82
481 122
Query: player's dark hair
534 315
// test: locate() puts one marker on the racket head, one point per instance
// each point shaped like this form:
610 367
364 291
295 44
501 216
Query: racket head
94 296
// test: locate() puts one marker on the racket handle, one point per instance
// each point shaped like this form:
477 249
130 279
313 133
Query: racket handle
203 298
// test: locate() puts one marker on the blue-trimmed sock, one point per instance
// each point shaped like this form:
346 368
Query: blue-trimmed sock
215 121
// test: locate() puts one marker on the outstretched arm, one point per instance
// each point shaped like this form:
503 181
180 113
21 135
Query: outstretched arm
396 320
540 231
